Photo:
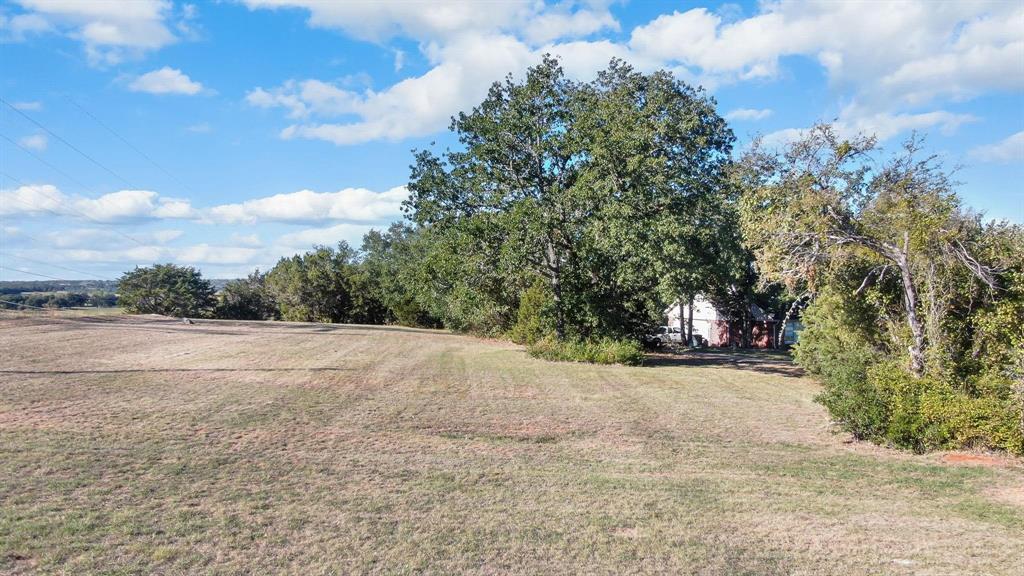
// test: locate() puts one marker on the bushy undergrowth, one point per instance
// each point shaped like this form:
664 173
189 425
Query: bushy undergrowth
532 324
604 351
871 393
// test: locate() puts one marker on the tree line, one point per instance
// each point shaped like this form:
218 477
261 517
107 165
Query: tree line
573 213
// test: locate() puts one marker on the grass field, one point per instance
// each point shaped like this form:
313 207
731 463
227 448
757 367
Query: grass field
144 445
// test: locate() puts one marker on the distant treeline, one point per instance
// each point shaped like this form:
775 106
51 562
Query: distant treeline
79 286
61 299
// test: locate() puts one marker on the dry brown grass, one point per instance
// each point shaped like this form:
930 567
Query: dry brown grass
143 445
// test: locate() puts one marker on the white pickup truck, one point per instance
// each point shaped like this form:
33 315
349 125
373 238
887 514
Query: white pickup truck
673 335
666 335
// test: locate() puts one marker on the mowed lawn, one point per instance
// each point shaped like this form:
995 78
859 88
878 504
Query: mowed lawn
142 445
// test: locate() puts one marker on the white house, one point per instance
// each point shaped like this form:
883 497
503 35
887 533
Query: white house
719 330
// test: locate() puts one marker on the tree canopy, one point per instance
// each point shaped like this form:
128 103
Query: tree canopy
602 189
166 289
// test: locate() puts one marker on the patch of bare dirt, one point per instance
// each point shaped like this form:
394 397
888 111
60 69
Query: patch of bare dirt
974 459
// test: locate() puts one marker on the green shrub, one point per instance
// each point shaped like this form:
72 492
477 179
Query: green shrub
532 324
889 405
604 351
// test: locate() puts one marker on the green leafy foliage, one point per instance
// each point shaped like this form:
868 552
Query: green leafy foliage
917 328
166 289
603 351
246 299
533 317
325 285
605 190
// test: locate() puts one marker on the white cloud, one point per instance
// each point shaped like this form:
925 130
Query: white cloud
217 254
425 21
107 239
305 239
748 114
855 119
423 105
348 204
28 105
251 240
166 80
884 56
917 49
19 27
1009 149
33 199
354 204
200 128
34 142
120 206
550 26
109 30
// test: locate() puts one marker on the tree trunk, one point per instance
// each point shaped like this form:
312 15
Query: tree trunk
682 319
556 290
745 336
689 325
780 336
917 346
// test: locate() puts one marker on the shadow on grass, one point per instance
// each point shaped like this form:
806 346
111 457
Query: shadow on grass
173 370
215 327
762 361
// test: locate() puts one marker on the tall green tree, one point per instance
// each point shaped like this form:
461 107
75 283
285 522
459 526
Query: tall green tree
315 286
166 289
593 187
246 299
394 259
828 204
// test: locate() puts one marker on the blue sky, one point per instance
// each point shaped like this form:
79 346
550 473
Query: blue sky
225 135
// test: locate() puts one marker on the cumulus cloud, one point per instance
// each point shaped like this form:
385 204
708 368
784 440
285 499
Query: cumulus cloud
354 204
748 114
34 142
304 206
442 20
855 119
918 49
120 206
110 31
305 239
1009 149
166 80
422 105
889 57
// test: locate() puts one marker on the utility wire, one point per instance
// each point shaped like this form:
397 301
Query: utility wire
34 274
66 143
68 207
27 305
128 144
25 258
48 164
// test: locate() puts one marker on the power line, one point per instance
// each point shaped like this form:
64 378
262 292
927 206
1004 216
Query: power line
34 274
127 143
48 164
66 143
25 305
68 207
27 259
